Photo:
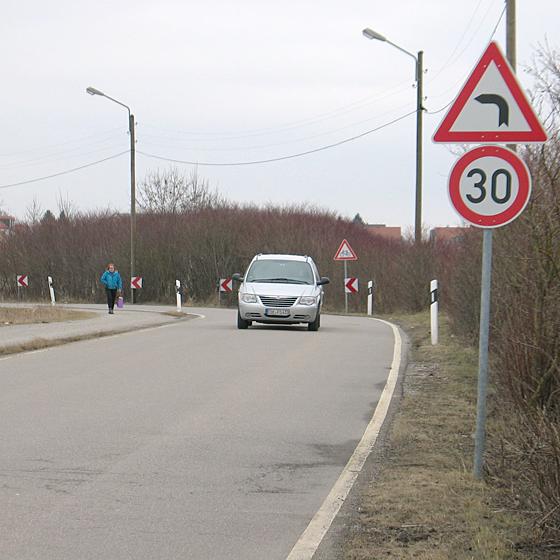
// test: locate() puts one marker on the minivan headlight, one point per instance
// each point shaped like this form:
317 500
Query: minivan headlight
248 298
308 300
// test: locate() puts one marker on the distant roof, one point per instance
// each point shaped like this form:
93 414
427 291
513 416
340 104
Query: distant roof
387 232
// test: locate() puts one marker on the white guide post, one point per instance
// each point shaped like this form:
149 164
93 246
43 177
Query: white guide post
178 290
434 311
51 290
370 297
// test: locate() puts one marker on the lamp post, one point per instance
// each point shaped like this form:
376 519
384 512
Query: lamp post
93 91
370 34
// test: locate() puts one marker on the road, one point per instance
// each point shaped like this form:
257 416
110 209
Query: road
193 440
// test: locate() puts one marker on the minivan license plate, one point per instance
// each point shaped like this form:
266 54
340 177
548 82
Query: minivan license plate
277 312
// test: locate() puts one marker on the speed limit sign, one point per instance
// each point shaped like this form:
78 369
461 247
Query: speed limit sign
489 186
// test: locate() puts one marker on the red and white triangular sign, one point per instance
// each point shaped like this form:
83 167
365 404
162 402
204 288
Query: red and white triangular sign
491 107
345 252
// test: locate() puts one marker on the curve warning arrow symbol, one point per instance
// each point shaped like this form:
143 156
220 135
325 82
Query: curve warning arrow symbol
503 107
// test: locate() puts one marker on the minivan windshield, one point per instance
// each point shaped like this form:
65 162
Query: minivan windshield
280 271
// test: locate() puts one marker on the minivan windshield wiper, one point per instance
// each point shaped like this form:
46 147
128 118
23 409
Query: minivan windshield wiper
287 280
277 280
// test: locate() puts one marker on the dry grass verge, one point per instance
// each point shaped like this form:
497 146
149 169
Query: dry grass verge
40 343
425 503
40 314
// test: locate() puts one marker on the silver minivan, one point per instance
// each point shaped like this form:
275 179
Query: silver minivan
280 289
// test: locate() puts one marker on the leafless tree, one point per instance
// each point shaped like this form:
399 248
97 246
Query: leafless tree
66 208
173 192
34 212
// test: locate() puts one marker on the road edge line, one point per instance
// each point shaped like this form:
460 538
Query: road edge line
311 538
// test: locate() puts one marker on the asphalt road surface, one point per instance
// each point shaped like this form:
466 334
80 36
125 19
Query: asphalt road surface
189 441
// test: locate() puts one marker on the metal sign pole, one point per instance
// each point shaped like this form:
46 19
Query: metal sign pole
345 292
485 286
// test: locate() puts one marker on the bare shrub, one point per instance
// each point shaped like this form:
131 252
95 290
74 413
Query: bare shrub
200 245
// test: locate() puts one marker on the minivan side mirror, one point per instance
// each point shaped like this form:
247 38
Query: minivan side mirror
237 277
324 280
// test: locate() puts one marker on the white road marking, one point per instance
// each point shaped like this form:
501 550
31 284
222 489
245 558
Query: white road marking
311 538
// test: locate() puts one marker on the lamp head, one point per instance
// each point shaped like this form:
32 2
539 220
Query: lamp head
93 91
371 34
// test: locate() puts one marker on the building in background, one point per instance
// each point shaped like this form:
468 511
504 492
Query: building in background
387 232
447 234
7 224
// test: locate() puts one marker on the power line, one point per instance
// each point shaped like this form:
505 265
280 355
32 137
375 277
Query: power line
289 126
498 22
169 141
450 57
465 48
281 158
439 110
107 133
69 154
239 163
37 179
491 37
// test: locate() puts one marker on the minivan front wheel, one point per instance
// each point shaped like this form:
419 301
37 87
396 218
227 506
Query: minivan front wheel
314 326
242 323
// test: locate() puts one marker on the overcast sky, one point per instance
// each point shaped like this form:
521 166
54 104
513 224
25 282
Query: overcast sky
217 81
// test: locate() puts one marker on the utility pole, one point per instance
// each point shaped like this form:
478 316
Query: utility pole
418 65
511 39
511 51
132 199
419 115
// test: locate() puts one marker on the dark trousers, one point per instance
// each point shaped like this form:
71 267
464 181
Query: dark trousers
111 295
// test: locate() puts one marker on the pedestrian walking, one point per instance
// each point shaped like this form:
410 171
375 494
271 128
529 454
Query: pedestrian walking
111 279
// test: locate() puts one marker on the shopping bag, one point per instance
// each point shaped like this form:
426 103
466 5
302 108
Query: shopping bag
120 302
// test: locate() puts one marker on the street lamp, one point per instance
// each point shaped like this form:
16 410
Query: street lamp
370 34
93 91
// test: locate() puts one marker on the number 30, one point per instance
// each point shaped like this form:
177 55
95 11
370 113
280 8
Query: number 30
493 186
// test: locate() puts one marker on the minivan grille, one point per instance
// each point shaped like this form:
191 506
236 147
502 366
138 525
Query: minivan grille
272 301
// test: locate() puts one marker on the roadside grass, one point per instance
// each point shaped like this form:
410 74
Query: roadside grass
424 503
42 343
40 314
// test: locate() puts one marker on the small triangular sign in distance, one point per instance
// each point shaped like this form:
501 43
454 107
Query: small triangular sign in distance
345 252
491 107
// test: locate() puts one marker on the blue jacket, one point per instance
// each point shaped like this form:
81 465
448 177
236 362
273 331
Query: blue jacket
112 280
